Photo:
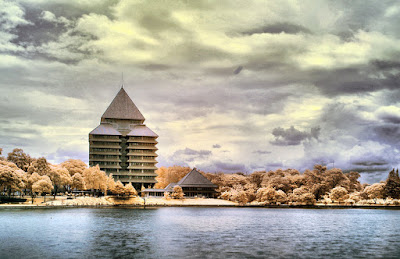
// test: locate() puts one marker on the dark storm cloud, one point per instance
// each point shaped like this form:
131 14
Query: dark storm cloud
370 160
389 117
292 136
375 76
199 102
369 169
40 31
359 15
73 9
237 70
387 133
279 28
343 116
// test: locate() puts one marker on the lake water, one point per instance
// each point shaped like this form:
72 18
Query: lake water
199 233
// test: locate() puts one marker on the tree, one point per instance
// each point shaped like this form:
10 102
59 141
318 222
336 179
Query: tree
266 194
307 198
11 177
119 188
21 159
302 195
392 187
40 166
95 179
32 179
281 196
355 196
110 183
354 185
74 166
338 194
177 193
78 182
43 186
170 175
130 190
375 191
59 177
242 197
167 195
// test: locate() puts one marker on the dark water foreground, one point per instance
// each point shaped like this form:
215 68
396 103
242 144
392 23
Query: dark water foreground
199 233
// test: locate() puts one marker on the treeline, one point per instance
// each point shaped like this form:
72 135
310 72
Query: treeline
21 174
292 187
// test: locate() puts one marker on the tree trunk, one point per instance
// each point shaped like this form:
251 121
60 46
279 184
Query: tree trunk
55 191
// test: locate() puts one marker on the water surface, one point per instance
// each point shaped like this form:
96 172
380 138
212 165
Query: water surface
199 233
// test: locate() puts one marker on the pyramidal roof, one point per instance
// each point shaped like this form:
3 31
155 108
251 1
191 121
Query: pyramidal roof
105 129
122 107
195 178
142 130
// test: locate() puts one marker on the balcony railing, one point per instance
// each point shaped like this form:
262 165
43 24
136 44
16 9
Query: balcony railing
91 138
133 152
105 159
142 167
152 141
135 174
142 147
116 152
96 145
138 160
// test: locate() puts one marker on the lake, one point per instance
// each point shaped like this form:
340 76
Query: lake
185 232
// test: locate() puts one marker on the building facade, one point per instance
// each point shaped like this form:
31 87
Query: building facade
123 146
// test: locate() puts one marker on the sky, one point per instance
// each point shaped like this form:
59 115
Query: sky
227 85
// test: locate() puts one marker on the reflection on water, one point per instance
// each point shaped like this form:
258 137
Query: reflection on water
199 233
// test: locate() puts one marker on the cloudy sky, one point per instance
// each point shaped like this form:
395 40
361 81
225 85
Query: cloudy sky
227 85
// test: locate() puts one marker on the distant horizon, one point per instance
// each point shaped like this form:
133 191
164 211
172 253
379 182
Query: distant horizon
227 86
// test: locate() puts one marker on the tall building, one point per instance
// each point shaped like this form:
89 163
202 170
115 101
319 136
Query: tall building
123 146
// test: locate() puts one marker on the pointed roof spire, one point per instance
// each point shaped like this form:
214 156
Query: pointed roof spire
122 84
122 107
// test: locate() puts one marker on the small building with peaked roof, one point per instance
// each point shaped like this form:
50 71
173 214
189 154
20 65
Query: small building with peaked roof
193 184
122 145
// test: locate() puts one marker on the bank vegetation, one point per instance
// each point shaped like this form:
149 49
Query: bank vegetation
21 175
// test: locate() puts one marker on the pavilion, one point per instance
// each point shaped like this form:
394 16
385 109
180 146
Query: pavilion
193 184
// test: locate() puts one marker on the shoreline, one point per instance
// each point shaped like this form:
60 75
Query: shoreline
154 206
64 202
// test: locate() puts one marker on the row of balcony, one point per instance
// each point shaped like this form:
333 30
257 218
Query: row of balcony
137 180
92 138
107 166
142 147
116 152
152 141
135 174
142 167
116 159
142 160
99 145
142 152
